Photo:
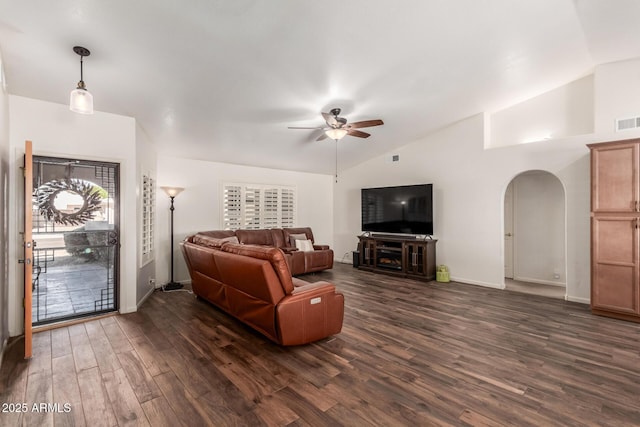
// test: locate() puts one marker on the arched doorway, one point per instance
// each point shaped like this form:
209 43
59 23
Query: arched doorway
535 234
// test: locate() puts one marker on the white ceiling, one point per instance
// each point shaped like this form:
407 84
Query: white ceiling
223 79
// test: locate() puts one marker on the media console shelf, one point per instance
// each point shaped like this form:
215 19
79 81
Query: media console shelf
399 255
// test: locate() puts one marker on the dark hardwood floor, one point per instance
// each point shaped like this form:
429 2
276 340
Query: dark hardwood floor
410 353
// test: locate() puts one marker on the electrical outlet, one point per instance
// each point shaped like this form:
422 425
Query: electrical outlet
152 282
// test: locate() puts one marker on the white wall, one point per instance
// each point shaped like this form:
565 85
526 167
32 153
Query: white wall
617 91
197 208
469 186
146 161
562 112
470 182
5 191
56 131
539 228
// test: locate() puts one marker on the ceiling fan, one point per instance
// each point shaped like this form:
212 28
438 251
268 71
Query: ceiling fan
337 127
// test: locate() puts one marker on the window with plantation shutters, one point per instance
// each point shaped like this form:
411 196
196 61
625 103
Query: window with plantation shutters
256 206
148 217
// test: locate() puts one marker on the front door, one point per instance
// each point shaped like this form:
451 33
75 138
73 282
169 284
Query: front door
76 238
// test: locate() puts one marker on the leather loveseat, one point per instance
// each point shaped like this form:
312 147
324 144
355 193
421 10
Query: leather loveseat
254 284
300 262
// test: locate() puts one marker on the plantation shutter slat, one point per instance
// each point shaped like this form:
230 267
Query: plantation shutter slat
256 206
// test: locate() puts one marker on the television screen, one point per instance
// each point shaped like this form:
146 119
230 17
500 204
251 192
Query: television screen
405 209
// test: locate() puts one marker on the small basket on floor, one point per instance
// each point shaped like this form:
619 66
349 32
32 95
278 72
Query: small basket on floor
442 274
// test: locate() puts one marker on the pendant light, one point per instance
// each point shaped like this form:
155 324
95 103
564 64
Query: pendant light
81 100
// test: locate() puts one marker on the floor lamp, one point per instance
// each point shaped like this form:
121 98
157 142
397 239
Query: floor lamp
172 192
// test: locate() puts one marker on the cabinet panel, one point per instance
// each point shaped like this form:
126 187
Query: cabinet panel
615 263
399 256
614 178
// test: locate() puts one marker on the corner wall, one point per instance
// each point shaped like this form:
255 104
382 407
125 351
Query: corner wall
198 208
5 192
469 187
470 182
146 164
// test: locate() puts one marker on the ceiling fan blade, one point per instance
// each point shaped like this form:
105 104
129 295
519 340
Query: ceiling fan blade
298 127
322 136
364 124
358 133
331 120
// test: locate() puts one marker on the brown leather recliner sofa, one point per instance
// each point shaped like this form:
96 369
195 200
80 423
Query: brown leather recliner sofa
254 284
300 262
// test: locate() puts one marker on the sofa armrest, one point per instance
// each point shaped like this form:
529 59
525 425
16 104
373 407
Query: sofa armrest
320 247
308 290
311 312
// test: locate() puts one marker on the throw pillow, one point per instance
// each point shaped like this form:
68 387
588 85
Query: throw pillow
304 245
294 237
230 239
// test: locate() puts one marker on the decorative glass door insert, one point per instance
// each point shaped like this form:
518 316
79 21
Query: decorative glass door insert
76 238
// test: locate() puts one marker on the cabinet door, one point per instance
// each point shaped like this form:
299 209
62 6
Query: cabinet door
414 258
614 255
614 178
368 252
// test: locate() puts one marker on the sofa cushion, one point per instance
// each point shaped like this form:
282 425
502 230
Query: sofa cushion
274 255
218 234
294 237
299 230
304 245
208 241
255 237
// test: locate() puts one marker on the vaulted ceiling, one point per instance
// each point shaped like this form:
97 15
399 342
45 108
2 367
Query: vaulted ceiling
223 79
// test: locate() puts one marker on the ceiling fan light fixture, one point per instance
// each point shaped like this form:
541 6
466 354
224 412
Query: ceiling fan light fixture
336 133
81 100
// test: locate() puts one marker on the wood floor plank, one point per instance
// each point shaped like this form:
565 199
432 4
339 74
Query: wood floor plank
144 387
67 391
106 357
13 382
39 392
60 342
183 404
410 353
160 414
117 338
124 403
152 359
95 400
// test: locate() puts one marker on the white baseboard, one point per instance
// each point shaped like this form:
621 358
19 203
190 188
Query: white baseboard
578 299
540 281
144 298
477 283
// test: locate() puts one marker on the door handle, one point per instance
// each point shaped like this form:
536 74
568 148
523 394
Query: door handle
25 261
508 235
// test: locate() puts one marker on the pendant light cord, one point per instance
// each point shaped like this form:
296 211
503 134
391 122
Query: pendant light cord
81 76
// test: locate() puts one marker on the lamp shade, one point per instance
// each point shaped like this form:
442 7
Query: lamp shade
335 133
172 191
81 101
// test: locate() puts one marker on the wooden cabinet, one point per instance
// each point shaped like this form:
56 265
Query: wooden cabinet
400 256
615 229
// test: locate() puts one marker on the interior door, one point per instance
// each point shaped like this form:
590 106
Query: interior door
508 232
28 246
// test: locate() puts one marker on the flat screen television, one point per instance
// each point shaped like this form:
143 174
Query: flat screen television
406 209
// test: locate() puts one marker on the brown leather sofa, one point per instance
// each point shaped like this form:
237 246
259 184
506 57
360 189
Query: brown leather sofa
300 262
254 284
